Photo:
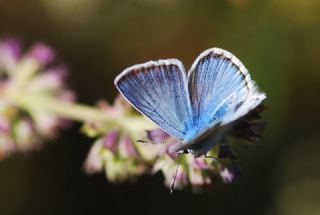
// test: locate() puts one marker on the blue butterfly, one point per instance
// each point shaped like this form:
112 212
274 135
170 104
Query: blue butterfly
195 107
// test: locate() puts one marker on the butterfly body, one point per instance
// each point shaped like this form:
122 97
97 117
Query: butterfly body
195 107
203 143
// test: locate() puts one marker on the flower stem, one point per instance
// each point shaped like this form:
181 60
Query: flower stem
80 112
77 112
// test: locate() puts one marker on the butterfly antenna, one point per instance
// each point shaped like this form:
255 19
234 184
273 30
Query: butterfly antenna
176 173
164 142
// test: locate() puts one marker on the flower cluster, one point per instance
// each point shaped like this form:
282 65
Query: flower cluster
115 151
119 152
199 172
26 81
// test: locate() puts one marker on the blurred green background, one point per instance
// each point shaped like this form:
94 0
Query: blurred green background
278 41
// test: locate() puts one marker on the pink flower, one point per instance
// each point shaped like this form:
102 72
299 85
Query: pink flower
41 53
27 85
10 51
115 150
226 175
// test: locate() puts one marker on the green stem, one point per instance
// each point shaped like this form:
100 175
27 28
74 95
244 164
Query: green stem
77 112
74 111
82 113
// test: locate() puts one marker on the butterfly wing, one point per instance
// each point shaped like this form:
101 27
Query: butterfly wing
221 91
159 90
221 88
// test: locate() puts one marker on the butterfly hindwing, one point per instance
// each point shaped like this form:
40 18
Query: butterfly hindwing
158 89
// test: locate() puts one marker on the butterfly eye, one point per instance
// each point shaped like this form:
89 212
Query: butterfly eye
181 152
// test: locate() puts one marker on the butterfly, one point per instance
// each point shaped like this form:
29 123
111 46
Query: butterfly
197 106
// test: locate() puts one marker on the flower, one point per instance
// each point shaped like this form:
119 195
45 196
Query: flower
192 171
123 151
226 175
185 169
115 150
116 155
26 83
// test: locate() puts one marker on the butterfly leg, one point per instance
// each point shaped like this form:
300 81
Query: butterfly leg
216 159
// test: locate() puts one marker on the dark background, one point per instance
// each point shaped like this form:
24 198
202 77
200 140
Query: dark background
277 40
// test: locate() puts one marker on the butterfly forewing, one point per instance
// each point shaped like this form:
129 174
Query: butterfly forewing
158 89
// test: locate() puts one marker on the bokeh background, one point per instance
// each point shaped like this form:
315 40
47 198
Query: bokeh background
278 40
